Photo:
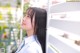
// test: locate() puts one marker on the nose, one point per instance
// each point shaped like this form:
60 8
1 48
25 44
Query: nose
23 19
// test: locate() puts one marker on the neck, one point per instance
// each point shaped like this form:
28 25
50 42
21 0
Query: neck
30 33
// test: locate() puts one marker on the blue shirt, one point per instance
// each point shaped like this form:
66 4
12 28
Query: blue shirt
30 45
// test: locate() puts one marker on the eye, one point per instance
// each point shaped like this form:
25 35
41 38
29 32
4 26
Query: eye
28 16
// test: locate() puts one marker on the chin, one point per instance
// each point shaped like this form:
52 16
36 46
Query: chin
22 27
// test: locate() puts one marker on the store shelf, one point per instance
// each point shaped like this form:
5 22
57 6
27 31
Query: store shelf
70 26
65 7
61 43
52 49
58 34
67 16
64 48
63 30
64 34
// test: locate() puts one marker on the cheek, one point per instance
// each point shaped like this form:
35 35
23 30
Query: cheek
28 22
29 25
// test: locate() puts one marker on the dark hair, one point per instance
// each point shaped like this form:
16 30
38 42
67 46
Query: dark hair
40 24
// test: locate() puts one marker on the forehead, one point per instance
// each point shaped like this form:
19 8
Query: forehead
29 12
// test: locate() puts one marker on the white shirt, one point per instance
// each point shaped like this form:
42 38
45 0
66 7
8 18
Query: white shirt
31 45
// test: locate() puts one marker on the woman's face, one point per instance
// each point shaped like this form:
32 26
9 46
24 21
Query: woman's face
26 23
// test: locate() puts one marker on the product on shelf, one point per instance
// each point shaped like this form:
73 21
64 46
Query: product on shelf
77 42
65 35
63 16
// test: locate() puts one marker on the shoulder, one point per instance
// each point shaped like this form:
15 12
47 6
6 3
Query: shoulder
34 47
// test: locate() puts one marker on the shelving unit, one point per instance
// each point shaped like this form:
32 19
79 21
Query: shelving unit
63 30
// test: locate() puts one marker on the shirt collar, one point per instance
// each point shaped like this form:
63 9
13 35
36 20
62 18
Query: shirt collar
29 39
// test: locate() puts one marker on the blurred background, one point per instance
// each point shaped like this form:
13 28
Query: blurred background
10 20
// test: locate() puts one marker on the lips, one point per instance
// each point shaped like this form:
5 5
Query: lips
23 23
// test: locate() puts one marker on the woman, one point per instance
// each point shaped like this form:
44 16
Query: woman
34 23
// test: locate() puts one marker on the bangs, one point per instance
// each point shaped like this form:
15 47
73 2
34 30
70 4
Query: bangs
30 12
